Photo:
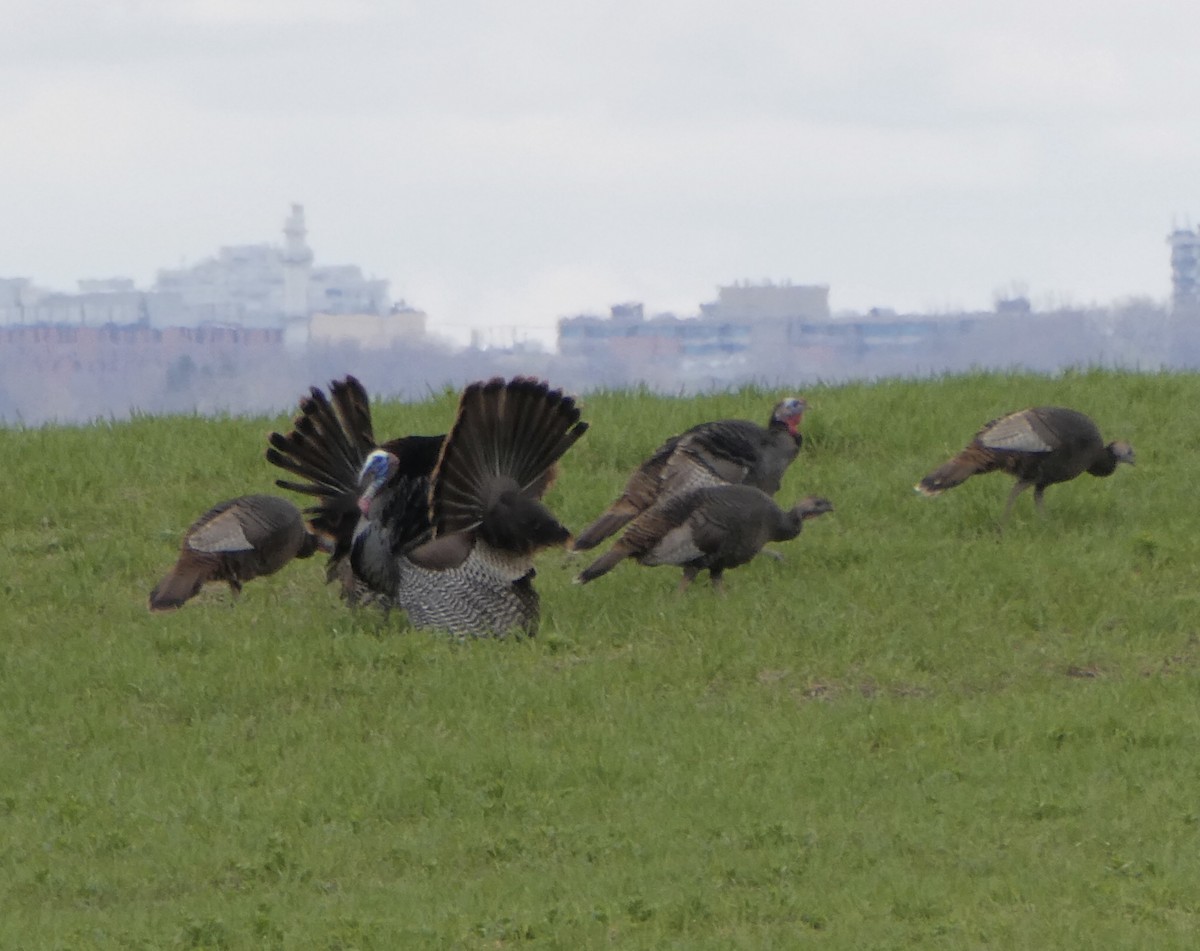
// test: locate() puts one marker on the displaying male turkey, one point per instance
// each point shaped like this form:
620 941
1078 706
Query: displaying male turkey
1039 446
714 527
235 541
442 527
726 451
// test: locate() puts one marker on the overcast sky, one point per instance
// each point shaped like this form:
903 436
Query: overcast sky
509 163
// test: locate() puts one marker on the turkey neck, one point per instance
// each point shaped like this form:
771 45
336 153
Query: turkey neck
787 526
778 429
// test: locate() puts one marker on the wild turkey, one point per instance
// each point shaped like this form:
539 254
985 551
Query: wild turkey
329 446
235 541
727 451
442 527
1039 446
714 527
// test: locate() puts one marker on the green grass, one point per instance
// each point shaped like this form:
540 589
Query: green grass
912 732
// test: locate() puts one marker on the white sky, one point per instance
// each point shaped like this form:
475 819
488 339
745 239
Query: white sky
504 164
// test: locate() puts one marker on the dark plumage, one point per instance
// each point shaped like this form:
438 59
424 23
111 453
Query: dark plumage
714 527
235 541
727 451
327 448
1038 446
443 527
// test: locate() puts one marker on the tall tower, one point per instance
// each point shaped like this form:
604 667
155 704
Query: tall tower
1185 269
297 265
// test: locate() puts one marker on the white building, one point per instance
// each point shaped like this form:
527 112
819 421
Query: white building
263 285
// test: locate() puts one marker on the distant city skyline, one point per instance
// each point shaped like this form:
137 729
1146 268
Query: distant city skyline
508 165
254 284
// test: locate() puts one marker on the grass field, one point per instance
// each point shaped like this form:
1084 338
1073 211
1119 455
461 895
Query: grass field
912 732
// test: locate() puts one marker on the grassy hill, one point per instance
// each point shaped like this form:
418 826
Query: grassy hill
911 732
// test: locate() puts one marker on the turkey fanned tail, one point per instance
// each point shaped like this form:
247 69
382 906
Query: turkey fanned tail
328 443
499 458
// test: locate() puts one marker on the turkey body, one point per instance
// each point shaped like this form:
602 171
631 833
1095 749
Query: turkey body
727 451
1039 447
711 527
235 541
442 527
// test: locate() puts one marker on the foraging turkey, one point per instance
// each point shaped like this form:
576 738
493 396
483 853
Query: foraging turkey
1039 446
714 527
727 451
235 541
442 527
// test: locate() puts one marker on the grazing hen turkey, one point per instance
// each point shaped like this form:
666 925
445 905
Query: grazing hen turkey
727 451
235 541
714 527
1039 446
442 527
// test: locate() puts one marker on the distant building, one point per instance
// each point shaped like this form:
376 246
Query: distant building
744 319
1185 269
263 285
242 288
629 337
17 296
368 331
771 313
98 303
755 303
107 285
780 331
296 261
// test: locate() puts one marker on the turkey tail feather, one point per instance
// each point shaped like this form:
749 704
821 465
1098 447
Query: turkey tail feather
294 454
611 522
354 407
641 491
953 472
177 587
604 564
507 437
329 441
